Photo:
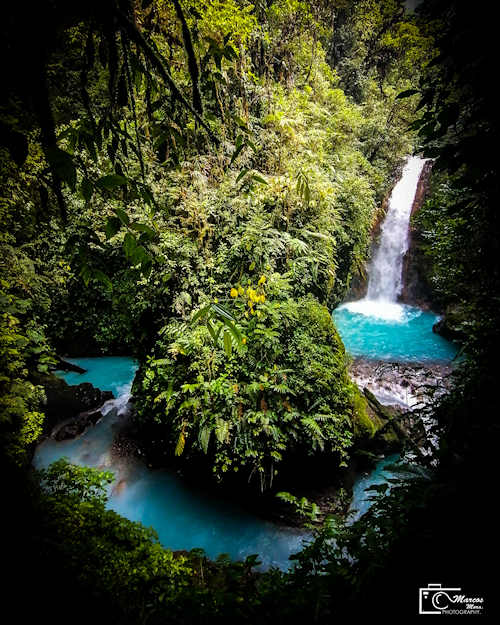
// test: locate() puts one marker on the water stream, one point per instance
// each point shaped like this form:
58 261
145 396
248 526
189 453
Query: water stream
183 517
376 327
380 328
385 282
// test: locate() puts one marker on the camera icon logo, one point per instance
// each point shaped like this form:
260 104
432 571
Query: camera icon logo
434 599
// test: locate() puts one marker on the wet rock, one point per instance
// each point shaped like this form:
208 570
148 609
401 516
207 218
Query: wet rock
400 427
120 487
451 325
77 425
417 290
64 401
64 365
405 384
124 446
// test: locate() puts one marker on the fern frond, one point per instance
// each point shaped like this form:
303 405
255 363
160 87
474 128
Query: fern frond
181 441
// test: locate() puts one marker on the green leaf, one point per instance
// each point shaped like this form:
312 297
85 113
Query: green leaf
122 215
251 144
217 334
241 123
140 256
112 226
212 331
221 430
242 173
147 196
236 153
145 229
252 560
222 312
228 344
377 488
111 181
181 441
203 311
101 277
258 178
204 437
62 165
85 273
234 330
307 194
129 244
407 93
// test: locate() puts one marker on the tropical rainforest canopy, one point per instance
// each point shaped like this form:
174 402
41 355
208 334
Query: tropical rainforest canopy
195 183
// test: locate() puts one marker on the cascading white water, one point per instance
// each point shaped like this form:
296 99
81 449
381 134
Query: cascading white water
385 281
378 328
385 272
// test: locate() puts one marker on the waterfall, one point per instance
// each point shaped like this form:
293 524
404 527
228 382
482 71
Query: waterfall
385 280
385 271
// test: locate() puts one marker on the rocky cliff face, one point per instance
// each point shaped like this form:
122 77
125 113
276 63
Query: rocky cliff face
416 288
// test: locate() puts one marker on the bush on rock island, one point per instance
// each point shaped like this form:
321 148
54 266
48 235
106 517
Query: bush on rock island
247 405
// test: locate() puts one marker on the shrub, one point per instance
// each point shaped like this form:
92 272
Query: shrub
282 390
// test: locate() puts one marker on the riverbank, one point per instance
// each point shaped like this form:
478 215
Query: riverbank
331 497
407 385
119 443
330 489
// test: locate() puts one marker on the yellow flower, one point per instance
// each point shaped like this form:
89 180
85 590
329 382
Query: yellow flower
252 296
262 298
241 290
262 280
252 311
234 293
215 300
244 340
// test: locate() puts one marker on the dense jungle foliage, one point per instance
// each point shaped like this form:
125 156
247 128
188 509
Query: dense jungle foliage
195 183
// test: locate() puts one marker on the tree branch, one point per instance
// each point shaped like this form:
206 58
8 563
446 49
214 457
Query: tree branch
157 62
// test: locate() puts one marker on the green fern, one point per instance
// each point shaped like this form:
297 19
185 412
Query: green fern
204 437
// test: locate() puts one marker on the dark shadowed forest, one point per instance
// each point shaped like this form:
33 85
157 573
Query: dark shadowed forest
196 197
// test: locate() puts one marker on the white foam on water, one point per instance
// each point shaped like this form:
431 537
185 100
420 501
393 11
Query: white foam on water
120 404
379 309
386 268
385 271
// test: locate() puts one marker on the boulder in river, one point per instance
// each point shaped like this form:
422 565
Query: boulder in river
77 425
452 325
64 401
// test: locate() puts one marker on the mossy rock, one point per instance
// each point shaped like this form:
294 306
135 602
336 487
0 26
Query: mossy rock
452 325
285 395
